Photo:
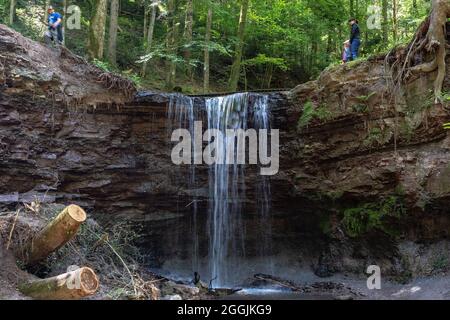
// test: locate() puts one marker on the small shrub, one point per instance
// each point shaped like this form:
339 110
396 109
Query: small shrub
360 220
310 112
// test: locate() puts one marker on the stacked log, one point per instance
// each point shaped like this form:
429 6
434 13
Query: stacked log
75 284
72 285
57 233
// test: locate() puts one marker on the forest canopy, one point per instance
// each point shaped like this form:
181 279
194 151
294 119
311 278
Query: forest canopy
219 45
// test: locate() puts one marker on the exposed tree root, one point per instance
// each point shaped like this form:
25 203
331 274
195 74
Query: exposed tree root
427 52
109 80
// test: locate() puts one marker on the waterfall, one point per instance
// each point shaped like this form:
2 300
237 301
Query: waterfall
181 114
226 223
227 190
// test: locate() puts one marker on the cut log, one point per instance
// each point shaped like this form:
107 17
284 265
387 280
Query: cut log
72 285
58 232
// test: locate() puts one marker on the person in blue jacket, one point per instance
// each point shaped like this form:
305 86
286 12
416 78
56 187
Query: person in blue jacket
355 38
55 28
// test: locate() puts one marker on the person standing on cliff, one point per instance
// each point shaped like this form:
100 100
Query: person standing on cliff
55 30
346 52
355 38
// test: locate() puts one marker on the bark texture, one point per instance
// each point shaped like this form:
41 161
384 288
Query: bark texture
72 285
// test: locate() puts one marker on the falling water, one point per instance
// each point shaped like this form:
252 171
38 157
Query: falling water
227 188
182 115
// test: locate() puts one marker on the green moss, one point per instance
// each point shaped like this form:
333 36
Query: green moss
373 216
355 63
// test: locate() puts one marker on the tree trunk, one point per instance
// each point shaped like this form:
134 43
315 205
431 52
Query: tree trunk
385 23
145 20
170 40
414 6
435 42
394 20
113 26
187 35
46 5
151 29
68 286
236 67
12 11
207 44
58 232
96 37
352 8
65 20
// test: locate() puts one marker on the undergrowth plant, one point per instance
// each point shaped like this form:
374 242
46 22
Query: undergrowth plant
373 216
311 112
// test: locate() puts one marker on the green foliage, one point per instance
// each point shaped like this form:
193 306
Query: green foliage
105 66
445 96
406 130
262 60
325 225
129 74
360 108
286 42
440 263
377 137
373 216
310 112
307 115
366 99
363 105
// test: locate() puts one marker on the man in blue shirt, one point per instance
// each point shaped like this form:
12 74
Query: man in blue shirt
54 22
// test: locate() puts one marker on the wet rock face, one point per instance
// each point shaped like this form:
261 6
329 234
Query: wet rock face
362 142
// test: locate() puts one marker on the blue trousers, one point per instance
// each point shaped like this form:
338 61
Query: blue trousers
356 43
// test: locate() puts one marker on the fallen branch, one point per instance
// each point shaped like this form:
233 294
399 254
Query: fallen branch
281 282
72 285
57 232
12 229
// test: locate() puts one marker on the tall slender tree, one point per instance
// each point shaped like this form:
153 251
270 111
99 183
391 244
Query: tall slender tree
187 35
146 11
150 31
171 44
12 11
65 5
46 5
96 37
385 24
395 20
113 26
206 69
236 67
